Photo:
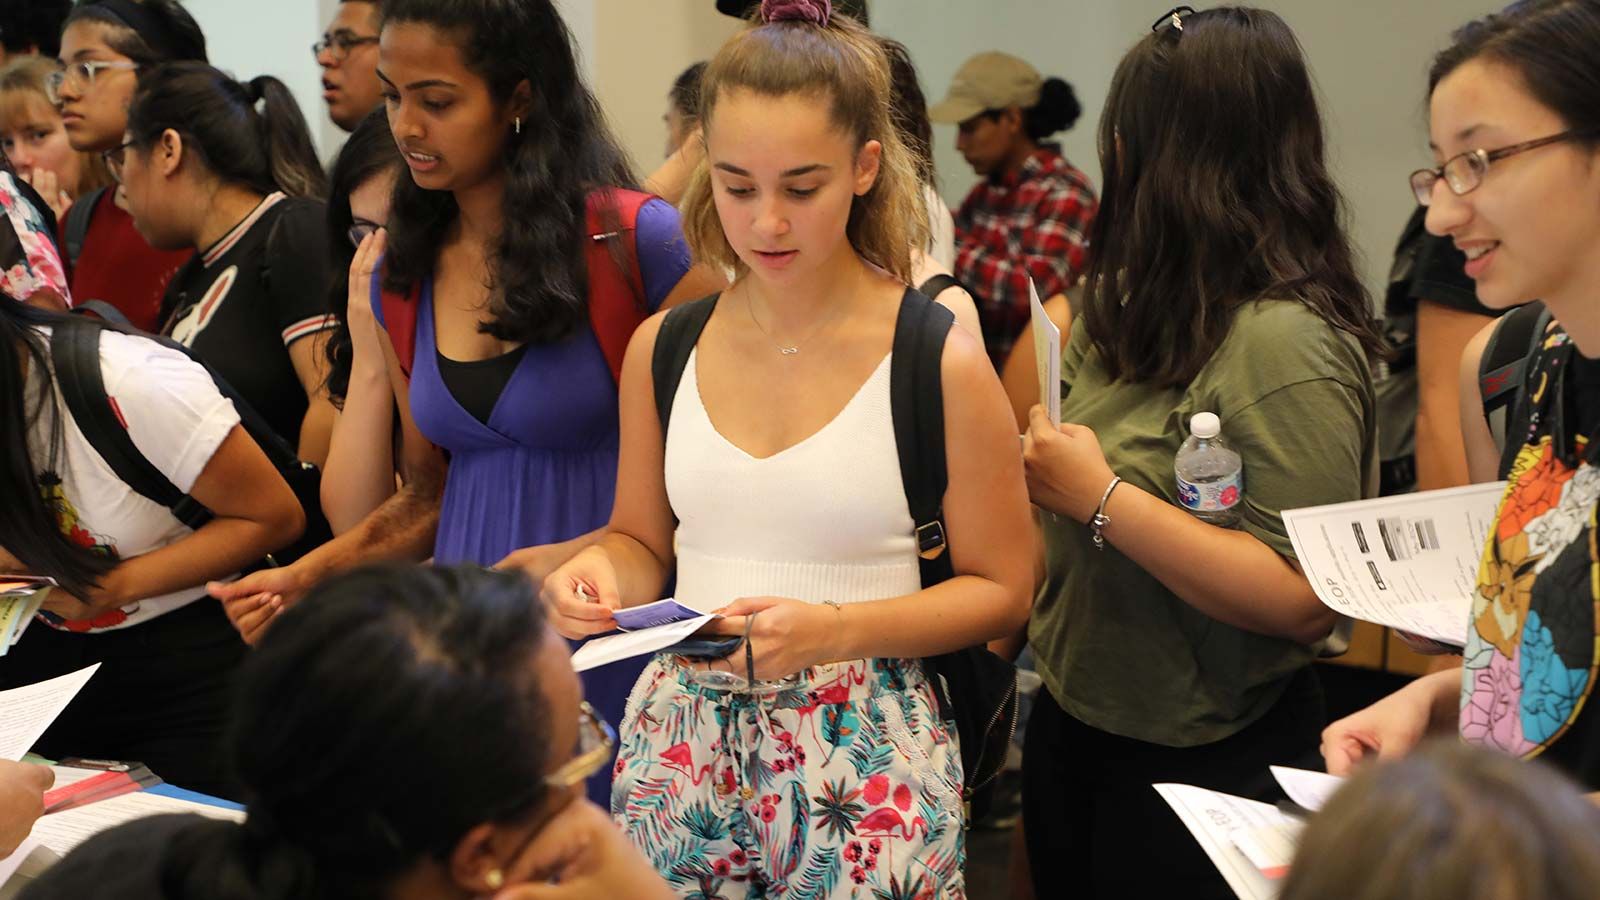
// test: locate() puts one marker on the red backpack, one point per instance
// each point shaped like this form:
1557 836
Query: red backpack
615 310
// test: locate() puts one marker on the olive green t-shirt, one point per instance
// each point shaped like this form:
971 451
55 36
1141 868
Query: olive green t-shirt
1119 651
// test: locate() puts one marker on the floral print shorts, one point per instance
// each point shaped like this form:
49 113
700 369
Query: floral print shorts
843 783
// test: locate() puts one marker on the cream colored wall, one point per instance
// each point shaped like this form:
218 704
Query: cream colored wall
640 47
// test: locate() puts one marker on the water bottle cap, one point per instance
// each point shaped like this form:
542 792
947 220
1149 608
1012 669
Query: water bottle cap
1205 426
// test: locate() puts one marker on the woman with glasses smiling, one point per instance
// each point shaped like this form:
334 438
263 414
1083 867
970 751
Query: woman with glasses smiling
1515 120
448 763
103 46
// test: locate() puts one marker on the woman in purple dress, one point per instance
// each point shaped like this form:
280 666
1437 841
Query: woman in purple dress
507 400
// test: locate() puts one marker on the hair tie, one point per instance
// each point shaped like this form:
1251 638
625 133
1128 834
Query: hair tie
817 12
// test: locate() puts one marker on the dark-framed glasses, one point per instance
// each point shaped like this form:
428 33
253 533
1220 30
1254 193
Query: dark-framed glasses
1464 172
80 75
358 231
115 157
1173 19
340 44
596 740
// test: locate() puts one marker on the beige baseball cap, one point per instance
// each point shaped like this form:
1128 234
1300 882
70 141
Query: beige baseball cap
990 80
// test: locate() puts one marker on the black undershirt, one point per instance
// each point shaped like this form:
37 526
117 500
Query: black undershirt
478 384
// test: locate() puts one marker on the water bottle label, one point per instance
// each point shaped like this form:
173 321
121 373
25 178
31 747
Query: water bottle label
1214 496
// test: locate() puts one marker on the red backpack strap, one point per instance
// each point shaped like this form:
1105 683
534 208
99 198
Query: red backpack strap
616 298
399 312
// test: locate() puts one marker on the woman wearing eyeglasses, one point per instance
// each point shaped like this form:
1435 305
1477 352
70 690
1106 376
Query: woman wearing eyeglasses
103 46
228 169
448 764
1515 119
1174 649
32 137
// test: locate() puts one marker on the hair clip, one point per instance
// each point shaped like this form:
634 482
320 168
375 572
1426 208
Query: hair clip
817 12
1172 18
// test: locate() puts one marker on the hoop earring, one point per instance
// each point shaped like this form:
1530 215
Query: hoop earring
518 124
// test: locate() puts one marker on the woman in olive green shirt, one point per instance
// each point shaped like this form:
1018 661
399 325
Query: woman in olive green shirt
1222 282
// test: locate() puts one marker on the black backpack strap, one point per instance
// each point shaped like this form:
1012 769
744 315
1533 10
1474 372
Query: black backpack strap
679 332
1518 409
1503 366
75 355
937 285
103 311
916 399
75 228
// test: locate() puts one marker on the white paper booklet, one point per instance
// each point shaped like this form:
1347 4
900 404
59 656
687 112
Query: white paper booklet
26 712
1232 830
643 629
1046 356
1308 789
63 831
1408 562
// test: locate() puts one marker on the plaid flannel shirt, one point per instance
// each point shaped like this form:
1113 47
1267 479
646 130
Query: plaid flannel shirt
1032 223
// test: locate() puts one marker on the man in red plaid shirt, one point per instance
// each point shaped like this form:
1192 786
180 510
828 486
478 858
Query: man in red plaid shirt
1030 216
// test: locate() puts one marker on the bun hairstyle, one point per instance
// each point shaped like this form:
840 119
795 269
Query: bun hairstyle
1058 109
423 677
1551 44
145 31
800 47
267 149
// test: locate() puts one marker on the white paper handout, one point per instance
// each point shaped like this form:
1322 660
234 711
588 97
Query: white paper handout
26 712
1046 356
612 648
1217 819
1308 789
1408 562
64 830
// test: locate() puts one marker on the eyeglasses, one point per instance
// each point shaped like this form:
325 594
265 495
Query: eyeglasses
80 75
339 45
1172 18
115 157
358 231
1464 173
596 740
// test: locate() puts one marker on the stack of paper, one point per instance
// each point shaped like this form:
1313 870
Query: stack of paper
641 629
20 598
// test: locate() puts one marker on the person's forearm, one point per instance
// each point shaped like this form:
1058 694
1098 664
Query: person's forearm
670 181
316 429
1442 692
1229 575
359 474
218 549
401 530
963 612
640 573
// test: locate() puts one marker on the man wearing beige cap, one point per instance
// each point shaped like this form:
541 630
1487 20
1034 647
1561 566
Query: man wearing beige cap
1029 217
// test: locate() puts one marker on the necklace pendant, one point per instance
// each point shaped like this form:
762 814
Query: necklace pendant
788 351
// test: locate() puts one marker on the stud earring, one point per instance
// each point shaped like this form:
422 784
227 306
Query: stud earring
518 124
495 879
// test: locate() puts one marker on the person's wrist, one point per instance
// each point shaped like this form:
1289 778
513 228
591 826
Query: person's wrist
1100 496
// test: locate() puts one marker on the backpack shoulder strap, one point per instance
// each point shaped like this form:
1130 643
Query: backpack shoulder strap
75 228
75 355
1518 409
937 285
680 330
916 398
397 313
103 311
1505 357
617 303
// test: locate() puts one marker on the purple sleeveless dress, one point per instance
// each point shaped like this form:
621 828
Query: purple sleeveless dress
544 468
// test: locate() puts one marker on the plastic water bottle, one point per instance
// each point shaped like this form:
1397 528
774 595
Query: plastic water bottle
1210 473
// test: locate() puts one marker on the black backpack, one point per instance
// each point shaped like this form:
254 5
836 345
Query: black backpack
975 689
75 354
1503 369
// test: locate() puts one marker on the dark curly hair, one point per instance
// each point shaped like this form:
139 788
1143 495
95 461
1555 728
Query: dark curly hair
539 282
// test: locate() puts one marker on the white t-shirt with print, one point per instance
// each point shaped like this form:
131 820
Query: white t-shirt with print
177 418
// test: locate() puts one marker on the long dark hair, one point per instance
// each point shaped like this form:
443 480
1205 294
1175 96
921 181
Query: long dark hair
909 106
415 690
1551 44
369 152
29 527
1216 193
267 150
539 283
161 31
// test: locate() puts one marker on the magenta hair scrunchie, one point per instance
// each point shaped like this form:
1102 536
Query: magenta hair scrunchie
817 12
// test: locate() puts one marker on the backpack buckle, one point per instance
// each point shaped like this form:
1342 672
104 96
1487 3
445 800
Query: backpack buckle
930 540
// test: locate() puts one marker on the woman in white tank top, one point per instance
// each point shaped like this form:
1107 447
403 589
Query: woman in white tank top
778 496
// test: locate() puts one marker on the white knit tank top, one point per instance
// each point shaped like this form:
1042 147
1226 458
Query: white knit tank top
823 520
